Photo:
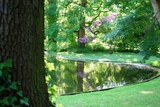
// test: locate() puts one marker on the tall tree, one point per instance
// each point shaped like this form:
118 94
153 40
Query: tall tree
22 40
73 18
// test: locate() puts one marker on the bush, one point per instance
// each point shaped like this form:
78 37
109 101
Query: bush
97 46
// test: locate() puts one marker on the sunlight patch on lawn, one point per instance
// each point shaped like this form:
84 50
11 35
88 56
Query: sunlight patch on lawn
147 92
102 60
135 59
156 62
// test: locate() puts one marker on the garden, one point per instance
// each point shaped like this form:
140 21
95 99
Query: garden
102 53
79 53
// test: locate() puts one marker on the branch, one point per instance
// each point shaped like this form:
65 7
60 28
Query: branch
95 18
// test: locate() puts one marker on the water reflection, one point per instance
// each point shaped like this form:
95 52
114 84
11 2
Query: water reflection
79 76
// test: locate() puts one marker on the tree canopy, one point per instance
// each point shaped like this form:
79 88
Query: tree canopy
124 25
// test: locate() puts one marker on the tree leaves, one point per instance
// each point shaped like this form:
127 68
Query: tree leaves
24 101
7 63
13 86
9 92
133 17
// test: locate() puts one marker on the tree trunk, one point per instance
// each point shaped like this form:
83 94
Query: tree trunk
81 32
156 8
110 47
22 40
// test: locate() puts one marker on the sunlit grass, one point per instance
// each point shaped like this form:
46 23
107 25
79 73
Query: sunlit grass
102 56
139 95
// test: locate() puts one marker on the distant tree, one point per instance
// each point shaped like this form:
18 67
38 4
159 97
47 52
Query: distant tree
22 40
73 19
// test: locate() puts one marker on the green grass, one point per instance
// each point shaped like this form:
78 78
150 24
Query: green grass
139 95
102 56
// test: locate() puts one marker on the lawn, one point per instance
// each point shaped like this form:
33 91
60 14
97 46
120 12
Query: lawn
140 95
102 56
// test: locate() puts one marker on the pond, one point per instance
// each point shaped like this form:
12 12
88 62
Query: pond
72 77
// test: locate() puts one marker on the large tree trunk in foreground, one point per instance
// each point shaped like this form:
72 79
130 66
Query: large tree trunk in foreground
22 40
156 8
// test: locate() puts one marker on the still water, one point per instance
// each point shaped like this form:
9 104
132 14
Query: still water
79 76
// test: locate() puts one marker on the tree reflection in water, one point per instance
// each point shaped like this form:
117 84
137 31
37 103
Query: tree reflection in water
73 77
80 75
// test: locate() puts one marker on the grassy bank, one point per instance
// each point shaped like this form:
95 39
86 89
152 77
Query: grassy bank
139 95
102 56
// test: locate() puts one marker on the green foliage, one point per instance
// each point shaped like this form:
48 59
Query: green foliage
10 95
151 43
51 26
97 47
136 29
64 18
70 15
50 79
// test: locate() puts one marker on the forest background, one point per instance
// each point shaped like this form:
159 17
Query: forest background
102 25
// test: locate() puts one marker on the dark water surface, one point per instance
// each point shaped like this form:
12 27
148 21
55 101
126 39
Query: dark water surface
79 76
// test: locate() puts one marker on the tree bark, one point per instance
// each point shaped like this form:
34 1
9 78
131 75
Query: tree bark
81 32
22 40
156 8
